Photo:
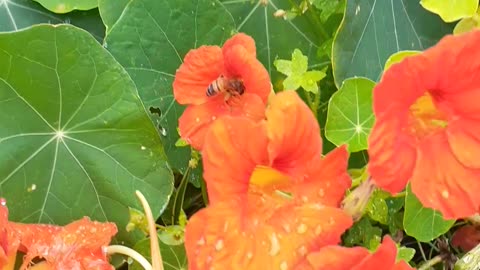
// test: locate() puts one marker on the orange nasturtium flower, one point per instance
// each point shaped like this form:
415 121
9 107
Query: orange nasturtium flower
358 258
212 65
273 199
78 245
427 126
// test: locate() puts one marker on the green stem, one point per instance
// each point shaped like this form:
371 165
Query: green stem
310 102
316 21
203 186
180 195
431 262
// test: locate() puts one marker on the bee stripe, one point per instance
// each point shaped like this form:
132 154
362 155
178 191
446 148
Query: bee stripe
211 89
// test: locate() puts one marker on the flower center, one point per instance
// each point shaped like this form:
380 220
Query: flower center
267 177
425 119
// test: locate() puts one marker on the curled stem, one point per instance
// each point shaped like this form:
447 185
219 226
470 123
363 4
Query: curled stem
157 263
118 249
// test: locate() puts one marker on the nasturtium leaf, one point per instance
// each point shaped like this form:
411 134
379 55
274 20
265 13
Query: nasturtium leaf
328 7
398 57
65 6
350 116
451 10
150 40
174 257
363 233
75 138
19 14
467 24
110 11
373 30
297 74
274 35
405 254
424 224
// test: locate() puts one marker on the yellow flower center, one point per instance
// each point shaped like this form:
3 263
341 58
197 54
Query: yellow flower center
267 177
425 118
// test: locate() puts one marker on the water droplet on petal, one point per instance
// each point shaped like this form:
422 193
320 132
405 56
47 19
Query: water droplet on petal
275 245
219 245
283 266
302 228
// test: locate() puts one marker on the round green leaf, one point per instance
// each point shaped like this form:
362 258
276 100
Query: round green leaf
451 10
65 6
350 116
151 46
424 224
398 57
111 11
19 14
467 24
75 138
373 30
174 257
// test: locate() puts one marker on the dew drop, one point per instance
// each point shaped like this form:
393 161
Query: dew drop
3 202
283 266
302 228
143 147
275 245
32 188
445 194
321 192
201 241
197 119
219 245
163 131
302 251
249 255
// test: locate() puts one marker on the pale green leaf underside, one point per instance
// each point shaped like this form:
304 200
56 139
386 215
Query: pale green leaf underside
19 14
424 224
451 10
350 116
64 6
75 138
372 30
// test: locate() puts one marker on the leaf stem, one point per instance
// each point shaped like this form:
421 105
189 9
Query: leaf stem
316 21
203 185
118 249
431 262
157 263
180 195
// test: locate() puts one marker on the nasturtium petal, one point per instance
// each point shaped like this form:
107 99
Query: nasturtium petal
65 6
20 14
150 39
350 116
423 224
451 10
75 138
373 30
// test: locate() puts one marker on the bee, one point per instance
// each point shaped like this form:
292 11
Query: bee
231 87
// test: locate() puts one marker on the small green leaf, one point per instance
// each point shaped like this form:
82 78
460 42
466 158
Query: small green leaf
297 74
451 10
398 57
173 257
377 208
181 143
172 235
424 224
405 254
65 6
363 233
329 7
350 116
467 24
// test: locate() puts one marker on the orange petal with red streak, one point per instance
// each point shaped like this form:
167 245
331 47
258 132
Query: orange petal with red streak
240 63
441 182
293 132
243 40
326 180
196 119
464 139
200 68
392 155
234 146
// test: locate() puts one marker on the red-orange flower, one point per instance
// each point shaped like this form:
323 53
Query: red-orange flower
272 198
427 126
202 67
358 258
78 245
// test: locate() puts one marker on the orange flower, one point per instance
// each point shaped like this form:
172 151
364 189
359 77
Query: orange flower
357 258
78 245
212 65
427 126
272 198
